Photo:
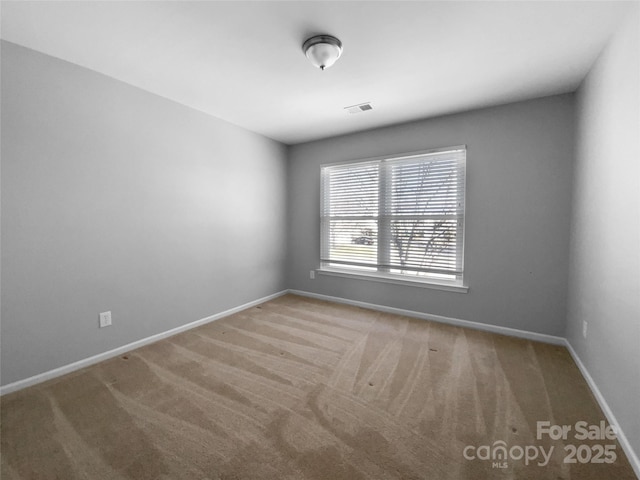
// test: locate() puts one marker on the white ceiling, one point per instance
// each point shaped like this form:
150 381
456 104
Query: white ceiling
242 61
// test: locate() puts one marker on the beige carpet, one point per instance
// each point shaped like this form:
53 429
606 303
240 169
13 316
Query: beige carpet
304 389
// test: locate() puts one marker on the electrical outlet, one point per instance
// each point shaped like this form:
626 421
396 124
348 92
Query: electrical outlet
105 319
584 328
312 274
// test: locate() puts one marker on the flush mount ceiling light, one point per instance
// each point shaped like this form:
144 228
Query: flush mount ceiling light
322 50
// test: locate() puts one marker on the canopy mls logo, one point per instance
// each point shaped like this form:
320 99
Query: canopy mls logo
500 454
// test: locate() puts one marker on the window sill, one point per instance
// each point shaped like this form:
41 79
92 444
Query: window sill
378 277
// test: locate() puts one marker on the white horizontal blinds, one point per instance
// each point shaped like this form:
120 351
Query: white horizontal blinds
350 214
402 215
424 209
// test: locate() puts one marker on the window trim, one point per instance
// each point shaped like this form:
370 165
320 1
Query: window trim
394 279
459 286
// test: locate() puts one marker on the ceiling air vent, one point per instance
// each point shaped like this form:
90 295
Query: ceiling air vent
363 107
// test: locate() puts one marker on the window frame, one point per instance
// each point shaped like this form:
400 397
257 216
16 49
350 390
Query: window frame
457 285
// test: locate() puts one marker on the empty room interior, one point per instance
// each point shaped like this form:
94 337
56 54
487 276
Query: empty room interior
320 240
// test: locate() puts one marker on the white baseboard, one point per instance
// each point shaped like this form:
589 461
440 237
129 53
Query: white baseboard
624 443
72 367
512 332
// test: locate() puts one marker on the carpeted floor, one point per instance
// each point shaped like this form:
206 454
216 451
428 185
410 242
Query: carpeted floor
304 389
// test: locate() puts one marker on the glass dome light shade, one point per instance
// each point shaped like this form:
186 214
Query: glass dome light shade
322 50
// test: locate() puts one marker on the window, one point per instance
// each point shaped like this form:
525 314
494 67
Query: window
398 217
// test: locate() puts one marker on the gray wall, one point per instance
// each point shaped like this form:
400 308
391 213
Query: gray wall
519 163
117 199
604 276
